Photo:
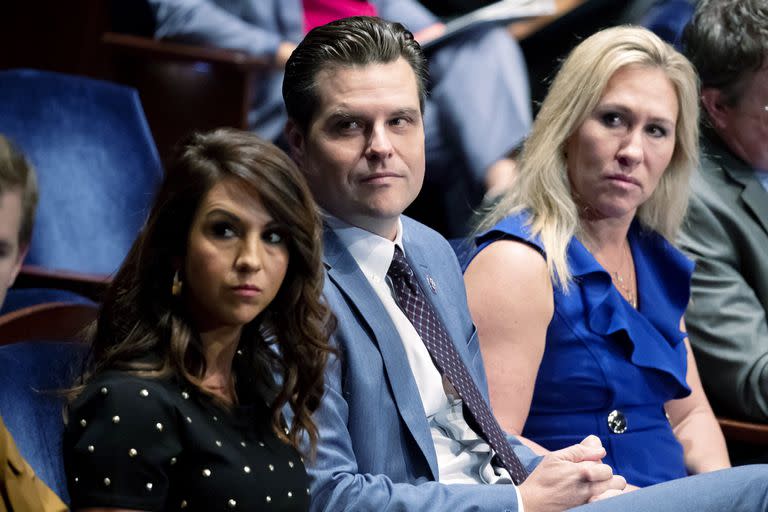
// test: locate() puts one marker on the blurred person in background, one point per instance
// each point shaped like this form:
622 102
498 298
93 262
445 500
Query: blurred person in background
20 488
478 109
726 231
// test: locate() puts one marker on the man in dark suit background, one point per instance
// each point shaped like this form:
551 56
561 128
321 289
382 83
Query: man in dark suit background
727 227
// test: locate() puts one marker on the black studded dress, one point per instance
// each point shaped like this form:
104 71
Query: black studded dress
149 444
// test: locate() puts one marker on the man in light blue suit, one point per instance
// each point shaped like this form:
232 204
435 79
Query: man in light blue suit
397 428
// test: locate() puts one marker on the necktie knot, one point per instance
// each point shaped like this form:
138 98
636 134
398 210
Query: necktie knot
399 268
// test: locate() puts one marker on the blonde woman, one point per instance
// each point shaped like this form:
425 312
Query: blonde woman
577 293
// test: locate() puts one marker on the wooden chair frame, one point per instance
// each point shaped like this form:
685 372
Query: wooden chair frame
48 321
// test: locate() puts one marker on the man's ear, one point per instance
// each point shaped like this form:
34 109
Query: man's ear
295 137
713 101
19 261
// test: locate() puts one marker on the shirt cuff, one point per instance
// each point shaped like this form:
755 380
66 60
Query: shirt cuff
520 507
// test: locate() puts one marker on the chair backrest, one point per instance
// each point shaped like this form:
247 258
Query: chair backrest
39 320
32 373
97 166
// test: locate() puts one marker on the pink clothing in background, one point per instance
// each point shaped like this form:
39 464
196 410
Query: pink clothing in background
320 12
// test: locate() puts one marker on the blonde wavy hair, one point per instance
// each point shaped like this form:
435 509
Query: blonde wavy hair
542 187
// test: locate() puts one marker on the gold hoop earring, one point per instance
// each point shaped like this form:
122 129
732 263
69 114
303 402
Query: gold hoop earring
176 285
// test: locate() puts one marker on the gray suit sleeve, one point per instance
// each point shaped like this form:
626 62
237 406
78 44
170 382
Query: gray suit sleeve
203 22
726 321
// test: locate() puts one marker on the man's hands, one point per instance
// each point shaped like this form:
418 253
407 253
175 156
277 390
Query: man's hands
570 477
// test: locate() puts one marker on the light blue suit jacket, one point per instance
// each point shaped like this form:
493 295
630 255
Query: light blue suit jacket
375 451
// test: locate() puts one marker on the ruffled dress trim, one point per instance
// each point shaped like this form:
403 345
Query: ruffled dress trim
663 281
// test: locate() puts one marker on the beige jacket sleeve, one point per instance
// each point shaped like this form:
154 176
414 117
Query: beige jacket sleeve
20 489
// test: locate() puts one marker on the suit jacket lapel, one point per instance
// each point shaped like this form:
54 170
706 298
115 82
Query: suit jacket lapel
753 195
756 198
345 273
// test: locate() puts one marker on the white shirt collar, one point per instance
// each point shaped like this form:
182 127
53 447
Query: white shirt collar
762 177
373 253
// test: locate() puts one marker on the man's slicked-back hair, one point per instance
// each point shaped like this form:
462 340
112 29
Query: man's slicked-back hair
355 41
726 40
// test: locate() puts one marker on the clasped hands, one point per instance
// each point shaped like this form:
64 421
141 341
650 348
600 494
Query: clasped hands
571 477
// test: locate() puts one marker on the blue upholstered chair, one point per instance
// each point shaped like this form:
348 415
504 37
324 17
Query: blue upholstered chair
97 167
32 372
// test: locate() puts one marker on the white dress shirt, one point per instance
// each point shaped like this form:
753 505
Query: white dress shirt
462 456
762 177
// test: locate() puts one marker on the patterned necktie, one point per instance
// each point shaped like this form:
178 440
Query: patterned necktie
424 319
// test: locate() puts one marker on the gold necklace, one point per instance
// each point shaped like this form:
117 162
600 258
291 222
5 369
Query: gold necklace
625 287
627 291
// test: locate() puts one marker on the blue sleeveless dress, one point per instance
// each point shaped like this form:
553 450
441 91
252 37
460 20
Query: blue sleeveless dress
607 368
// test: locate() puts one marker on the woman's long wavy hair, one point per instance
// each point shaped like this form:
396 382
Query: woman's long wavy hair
543 188
289 339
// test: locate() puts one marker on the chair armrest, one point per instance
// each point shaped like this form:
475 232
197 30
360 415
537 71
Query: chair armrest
183 87
179 52
49 321
92 286
745 431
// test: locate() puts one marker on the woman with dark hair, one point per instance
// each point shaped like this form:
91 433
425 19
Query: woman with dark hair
213 324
